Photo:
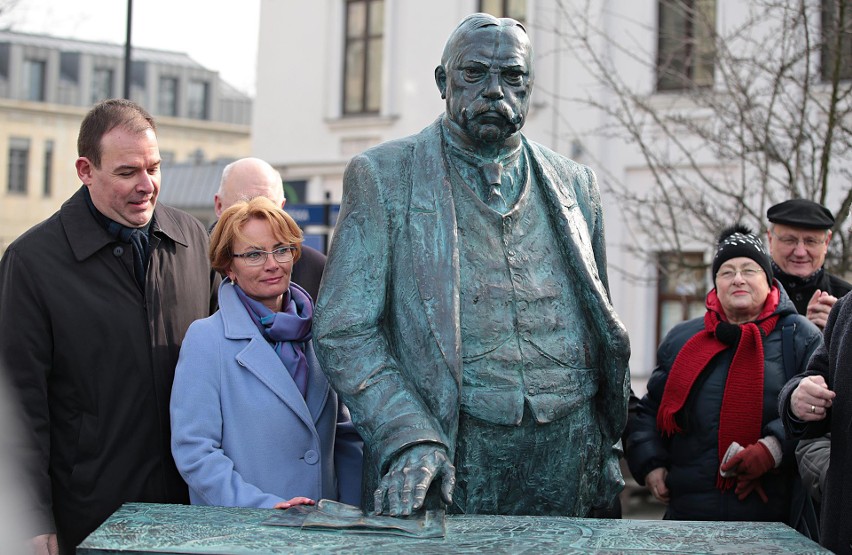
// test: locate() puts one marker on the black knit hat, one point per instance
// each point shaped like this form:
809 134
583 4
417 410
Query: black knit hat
738 241
799 212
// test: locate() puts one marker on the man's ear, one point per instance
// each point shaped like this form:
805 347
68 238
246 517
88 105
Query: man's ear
828 237
441 80
217 205
84 170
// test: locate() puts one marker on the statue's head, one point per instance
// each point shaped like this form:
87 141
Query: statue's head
486 77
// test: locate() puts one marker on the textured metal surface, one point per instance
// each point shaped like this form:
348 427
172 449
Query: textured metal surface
139 528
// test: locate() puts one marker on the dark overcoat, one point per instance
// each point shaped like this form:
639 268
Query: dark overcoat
832 361
92 358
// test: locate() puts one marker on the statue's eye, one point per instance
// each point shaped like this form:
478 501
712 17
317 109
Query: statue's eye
473 73
513 77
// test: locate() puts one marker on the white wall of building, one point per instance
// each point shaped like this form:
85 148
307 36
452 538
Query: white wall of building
299 128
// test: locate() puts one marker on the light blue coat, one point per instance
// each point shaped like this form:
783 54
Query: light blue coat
242 434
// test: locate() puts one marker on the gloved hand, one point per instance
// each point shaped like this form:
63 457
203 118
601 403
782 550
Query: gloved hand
751 463
746 486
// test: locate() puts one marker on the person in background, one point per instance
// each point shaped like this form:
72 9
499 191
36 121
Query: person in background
254 421
707 439
247 178
799 234
94 304
817 403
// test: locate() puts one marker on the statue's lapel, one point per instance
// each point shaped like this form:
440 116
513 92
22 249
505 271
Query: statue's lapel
434 243
568 217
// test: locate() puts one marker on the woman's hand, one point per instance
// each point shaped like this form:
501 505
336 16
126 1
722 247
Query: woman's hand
811 399
656 482
295 501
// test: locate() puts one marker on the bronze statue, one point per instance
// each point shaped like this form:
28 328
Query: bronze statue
464 316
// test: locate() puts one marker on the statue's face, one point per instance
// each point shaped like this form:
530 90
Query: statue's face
488 83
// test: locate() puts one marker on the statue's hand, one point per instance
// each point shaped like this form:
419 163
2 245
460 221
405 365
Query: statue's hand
408 479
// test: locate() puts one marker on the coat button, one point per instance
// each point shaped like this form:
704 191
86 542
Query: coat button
311 457
118 251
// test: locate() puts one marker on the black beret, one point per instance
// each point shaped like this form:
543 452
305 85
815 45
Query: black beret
799 212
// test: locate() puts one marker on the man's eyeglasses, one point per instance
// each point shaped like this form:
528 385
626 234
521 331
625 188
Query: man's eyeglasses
791 242
747 273
282 255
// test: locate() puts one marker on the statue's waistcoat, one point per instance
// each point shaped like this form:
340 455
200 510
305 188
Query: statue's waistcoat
522 338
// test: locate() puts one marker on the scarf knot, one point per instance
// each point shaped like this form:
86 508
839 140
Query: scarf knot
741 416
288 330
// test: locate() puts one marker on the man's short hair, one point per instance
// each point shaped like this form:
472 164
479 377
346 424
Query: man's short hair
106 116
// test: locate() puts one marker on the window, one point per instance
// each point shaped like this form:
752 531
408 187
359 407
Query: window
47 183
34 71
362 80
167 96
681 288
516 9
19 159
836 39
102 79
685 49
197 99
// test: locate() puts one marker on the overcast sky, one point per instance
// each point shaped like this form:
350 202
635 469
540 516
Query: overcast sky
219 34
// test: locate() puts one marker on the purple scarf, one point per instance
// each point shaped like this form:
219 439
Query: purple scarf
288 331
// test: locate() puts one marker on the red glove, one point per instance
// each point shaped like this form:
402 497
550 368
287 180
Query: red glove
751 463
746 486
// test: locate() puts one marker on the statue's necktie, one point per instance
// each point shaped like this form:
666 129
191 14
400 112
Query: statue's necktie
493 175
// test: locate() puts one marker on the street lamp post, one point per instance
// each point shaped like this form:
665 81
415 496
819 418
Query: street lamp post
127 50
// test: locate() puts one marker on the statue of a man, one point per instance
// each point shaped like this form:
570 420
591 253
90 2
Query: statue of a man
465 317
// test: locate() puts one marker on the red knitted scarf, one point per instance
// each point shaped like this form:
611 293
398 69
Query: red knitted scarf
742 404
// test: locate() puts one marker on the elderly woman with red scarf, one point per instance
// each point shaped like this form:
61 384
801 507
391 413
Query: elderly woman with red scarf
707 439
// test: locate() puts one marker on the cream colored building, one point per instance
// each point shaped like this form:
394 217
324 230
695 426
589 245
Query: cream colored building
338 76
48 84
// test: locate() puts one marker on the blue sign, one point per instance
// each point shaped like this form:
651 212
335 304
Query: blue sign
313 214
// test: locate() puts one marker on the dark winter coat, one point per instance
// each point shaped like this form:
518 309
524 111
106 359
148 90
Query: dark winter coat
307 272
833 361
801 291
691 457
92 361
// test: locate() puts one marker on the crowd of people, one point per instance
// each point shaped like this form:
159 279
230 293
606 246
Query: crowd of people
464 319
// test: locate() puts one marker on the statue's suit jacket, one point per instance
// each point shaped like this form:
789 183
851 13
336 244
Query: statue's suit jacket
387 321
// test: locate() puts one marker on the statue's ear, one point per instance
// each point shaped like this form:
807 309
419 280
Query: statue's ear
441 80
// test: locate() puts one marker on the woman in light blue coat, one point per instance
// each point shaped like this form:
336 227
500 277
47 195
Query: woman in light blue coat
254 421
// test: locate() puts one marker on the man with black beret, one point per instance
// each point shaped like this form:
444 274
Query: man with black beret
798 235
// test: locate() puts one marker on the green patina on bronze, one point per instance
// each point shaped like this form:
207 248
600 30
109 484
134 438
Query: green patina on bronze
464 316
139 528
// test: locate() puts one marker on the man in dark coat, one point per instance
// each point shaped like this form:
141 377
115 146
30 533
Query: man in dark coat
252 177
798 235
94 304
464 317
820 401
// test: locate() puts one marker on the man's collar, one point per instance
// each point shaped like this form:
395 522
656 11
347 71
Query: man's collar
789 280
86 236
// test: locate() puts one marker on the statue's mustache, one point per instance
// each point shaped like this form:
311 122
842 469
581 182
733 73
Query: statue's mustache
499 107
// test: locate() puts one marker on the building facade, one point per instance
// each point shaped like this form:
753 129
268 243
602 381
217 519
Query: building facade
360 72
48 84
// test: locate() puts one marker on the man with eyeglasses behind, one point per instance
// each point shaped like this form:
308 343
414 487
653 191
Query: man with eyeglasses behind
798 235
